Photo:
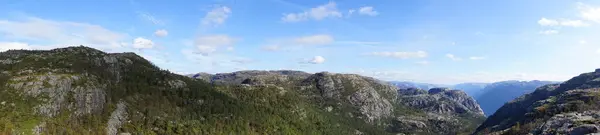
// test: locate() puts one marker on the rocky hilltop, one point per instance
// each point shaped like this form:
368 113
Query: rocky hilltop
439 111
566 108
81 90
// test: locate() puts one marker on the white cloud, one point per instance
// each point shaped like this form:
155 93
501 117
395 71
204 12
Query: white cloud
398 75
242 60
4 46
214 63
317 60
368 10
598 51
358 42
351 11
206 45
320 12
161 33
589 12
547 22
216 16
452 57
320 39
423 62
142 43
562 22
549 32
150 18
582 42
401 55
574 23
271 48
476 58
61 32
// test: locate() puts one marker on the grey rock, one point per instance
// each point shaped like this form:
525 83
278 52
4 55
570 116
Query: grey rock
442 101
59 88
117 118
411 91
372 97
570 123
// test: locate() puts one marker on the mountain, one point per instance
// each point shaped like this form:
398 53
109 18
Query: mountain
448 111
425 86
567 108
472 89
81 90
378 102
496 94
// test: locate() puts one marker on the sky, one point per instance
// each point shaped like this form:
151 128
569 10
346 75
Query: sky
433 41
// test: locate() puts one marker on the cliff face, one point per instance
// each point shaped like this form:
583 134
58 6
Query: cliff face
373 98
442 101
566 108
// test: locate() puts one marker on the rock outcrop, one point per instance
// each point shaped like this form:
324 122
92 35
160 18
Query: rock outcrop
373 98
440 101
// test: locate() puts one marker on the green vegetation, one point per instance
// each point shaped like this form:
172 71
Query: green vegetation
160 102
155 107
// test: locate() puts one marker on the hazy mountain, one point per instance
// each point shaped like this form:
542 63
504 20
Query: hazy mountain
80 90
567 108
425 86
472 89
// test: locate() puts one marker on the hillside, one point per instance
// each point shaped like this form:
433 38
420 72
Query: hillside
80 90
371 100
496 94
566 108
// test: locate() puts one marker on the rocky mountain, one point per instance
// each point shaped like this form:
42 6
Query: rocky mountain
496 94
373 101
441 108
80 90
567 108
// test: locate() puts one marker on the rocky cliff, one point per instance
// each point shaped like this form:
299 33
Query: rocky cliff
439 109
566 108
441 101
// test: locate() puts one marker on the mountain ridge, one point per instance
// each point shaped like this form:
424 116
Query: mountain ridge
81 90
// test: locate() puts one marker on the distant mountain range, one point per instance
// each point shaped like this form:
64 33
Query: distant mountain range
490 96
472 89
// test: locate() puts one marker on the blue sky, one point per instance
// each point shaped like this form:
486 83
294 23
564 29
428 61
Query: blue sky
430 41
